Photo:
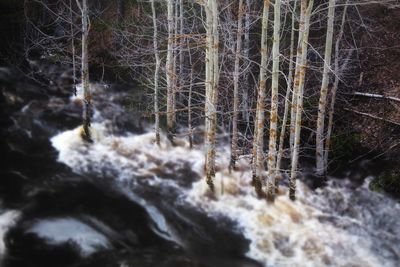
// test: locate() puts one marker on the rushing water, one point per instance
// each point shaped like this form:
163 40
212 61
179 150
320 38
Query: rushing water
332 226
342 224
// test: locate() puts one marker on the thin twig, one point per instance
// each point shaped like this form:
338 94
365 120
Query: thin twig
372 116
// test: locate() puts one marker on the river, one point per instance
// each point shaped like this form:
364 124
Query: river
124 201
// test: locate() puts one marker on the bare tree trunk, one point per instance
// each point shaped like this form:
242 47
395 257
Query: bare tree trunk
335 88
190 129
294 101
176 87
296 81
170 71
273 121
156 74
258 155
288 91
85 71
321 168
120 10
212 77
71 15
234 146
181 45
304 31
246 54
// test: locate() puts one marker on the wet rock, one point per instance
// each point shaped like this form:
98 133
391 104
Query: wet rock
32 251
125 225
12 185
7 75
130 122
12 99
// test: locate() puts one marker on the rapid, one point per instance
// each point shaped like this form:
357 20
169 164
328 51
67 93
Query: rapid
139 200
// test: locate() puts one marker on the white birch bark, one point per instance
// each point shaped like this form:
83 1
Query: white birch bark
273 120
324 92
246 54
335 88
181 44
304 31
212 77
156 74
295 86
71 15
170 70
85 71
175 85
234 145
258 143
288 92
190 128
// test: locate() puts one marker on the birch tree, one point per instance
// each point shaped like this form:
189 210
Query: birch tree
258 143
273 121
175 86
324 91
296 81
85 69
246 55
211 84
181 44
306 8
335 88
156 74
71 15
288 90
234 145
170 75
190 128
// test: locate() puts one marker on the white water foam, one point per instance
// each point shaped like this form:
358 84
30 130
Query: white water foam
127 157
285 233
123 157
57 231
7 220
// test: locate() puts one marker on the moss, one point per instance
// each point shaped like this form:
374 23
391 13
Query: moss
388 182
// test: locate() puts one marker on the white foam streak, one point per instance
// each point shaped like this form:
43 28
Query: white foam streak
62 230
126 158
123 157
7 220
285 233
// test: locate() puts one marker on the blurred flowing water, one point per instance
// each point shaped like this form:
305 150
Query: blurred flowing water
124 201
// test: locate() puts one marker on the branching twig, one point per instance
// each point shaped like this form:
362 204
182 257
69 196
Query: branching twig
372 116
375 96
